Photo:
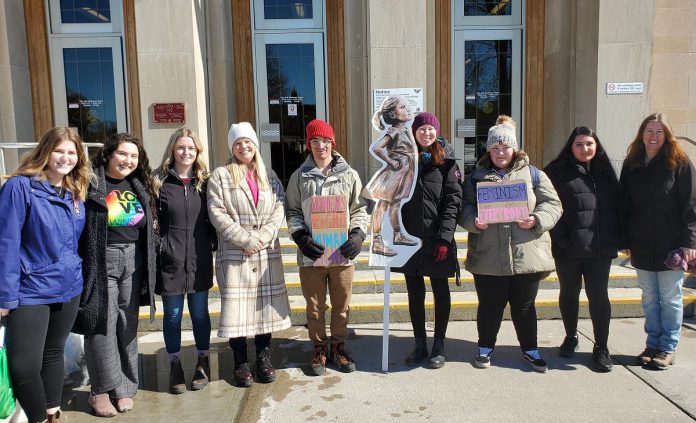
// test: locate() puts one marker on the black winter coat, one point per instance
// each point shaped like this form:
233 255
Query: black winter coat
185 262
91 316
431 215
660 212
588 228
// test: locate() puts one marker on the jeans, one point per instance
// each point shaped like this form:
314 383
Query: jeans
200 318
662 306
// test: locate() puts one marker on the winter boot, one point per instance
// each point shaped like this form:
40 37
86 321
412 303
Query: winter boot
420 351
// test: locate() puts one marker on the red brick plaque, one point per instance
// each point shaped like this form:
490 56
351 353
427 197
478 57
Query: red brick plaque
168 113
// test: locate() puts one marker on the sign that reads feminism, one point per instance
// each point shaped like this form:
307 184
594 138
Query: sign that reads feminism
330 228
500 202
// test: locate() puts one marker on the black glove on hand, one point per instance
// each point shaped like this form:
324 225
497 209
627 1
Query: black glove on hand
307 245
351 248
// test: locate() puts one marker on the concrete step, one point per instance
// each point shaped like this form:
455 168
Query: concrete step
367 308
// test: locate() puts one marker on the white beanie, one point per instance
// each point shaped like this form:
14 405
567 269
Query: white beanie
502 133
241 130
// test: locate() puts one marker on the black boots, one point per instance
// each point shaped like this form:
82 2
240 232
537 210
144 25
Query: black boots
437 356
202 375
420 351
264 370
177 383
242 374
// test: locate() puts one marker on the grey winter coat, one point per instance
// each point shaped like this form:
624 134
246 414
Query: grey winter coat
505 249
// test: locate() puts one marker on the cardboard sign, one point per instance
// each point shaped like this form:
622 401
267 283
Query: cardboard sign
500 202
330 228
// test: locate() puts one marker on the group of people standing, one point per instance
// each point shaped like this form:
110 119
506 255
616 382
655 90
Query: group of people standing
86 245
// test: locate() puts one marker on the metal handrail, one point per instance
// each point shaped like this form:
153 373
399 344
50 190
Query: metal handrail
19 145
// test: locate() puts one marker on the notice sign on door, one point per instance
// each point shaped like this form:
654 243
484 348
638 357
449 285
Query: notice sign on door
330 228
292 109
500 202
614 88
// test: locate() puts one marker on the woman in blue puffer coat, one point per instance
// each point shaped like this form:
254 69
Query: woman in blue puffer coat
43 212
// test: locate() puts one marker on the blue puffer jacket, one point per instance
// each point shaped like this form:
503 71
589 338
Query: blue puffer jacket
39 232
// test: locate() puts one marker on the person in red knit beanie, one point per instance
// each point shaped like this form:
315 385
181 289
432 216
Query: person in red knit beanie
325 172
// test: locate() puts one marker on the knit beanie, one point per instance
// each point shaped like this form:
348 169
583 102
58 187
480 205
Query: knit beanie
241 130
502 133
319 128
425 118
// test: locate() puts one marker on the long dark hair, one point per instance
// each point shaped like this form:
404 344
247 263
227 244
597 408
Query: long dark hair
436 150
566 157
674 154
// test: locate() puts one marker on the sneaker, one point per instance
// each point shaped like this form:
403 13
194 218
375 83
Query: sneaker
662 360
483 361
538 364
646 356
341 359
318 365
569 346
602 359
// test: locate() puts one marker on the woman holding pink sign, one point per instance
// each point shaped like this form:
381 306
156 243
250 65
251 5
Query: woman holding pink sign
508 259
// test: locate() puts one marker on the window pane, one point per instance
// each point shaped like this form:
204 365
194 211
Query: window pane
287 9
85 11
488 7
89 85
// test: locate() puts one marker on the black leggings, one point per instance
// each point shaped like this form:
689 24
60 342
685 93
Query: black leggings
494 292
416 304
261 341
35 340
596 275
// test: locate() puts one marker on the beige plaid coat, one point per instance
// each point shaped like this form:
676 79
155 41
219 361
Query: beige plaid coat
252 289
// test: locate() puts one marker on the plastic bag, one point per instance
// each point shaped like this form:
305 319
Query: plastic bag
7 399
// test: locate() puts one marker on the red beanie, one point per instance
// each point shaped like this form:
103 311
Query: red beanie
319 128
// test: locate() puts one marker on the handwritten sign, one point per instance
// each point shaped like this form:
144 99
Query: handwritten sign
500 202
330 228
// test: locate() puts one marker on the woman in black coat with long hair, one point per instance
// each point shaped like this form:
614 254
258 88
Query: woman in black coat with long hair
586 239
431 215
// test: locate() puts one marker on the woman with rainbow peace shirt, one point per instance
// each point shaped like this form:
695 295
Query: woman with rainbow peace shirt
118 247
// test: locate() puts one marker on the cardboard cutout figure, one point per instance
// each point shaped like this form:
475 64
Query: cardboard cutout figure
393 184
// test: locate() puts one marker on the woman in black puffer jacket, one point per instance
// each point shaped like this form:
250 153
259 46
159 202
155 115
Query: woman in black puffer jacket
586 239
431 215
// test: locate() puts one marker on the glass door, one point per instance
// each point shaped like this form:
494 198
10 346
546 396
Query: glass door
487 81
291 92
88 91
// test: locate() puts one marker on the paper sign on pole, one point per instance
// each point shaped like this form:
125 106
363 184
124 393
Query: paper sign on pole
330 228
500 202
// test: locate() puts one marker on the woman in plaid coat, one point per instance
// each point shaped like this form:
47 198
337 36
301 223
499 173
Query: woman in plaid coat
245 204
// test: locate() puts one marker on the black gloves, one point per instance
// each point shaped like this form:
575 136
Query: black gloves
351 248
307 245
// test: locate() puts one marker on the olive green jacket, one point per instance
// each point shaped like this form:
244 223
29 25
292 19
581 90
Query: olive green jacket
505 249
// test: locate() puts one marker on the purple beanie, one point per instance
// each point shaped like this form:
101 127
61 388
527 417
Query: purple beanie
425 118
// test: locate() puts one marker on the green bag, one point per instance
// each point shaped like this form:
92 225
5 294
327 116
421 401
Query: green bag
7 399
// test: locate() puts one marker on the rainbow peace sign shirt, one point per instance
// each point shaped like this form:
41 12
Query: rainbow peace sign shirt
126 213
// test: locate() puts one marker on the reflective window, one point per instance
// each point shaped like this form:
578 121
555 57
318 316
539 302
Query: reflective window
487 7
488 90
85 11
287 9
292 102
90 92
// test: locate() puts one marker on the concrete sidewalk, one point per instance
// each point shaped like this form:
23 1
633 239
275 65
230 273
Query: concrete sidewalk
508 391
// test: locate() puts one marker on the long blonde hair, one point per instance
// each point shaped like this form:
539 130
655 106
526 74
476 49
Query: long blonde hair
200 169
36 162
239 170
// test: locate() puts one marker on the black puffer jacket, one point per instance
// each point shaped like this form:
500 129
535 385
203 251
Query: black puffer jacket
92 314
588 228
431 215
660 212
187 238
